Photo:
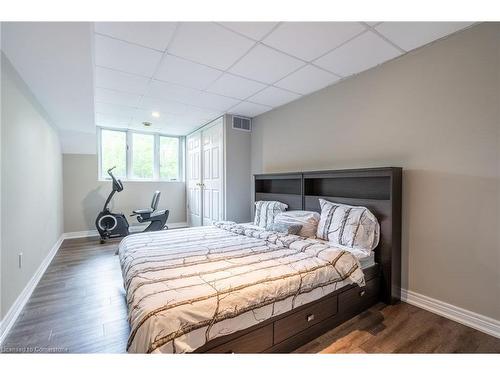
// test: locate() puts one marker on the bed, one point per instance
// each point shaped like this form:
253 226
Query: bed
236 288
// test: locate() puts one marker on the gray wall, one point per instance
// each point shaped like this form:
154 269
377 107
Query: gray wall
434 112
238 181
84 195
31 179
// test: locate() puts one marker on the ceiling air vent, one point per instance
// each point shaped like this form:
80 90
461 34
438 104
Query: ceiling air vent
242 123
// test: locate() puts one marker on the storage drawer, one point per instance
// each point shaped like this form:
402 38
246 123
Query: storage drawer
303 319
358 299
252 342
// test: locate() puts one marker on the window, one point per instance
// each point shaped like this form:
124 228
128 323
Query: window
140 156
114 152
169 162
143 156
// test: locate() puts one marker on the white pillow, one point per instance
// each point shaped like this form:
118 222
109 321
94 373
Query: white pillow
348 226
308 219
266 211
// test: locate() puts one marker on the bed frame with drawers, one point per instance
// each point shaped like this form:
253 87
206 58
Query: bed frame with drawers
378 189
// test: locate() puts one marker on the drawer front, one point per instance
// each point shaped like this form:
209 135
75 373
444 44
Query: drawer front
303 319
358 299
253 342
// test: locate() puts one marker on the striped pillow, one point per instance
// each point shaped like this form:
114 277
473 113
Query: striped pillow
307 219
348 226
266 211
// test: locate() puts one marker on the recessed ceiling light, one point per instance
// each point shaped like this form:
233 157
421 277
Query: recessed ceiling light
155 114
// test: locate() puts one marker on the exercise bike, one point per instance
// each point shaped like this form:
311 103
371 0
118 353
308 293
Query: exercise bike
113 225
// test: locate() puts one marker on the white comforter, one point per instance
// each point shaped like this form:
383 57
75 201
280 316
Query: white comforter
188 286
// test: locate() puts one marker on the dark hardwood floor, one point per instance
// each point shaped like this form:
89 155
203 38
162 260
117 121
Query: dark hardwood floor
79 307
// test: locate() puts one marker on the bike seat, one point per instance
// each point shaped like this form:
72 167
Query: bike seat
158 213
144 211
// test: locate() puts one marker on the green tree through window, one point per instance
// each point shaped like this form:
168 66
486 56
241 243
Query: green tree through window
142 155
149 156
169 158
114 152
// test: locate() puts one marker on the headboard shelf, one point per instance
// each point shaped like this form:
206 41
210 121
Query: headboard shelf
278 176
348 187
279 186
378 189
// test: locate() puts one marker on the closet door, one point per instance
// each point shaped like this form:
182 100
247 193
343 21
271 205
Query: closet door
212 173
193 179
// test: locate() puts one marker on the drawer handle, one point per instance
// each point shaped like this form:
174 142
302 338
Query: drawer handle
310 317
362 293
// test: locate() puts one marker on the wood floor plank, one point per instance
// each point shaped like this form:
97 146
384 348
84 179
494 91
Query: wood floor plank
79 307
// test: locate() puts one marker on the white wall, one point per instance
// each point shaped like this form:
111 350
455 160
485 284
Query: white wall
238 177
84 195
434 112
31 185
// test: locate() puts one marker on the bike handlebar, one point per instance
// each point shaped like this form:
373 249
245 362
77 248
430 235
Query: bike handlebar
116 182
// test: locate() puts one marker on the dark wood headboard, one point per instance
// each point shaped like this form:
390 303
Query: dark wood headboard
378 189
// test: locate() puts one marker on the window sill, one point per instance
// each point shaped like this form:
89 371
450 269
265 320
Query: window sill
147 181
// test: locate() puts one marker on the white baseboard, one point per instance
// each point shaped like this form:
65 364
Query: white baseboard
14 311
10 318
133 229
469 318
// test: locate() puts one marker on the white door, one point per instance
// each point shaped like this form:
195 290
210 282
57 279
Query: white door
193 179
212 173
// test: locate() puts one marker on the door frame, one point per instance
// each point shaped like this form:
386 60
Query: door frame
206 126
188 181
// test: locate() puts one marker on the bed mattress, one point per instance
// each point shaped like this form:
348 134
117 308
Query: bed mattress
188 286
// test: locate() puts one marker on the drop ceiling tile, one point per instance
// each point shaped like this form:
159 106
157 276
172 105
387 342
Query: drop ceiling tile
163 90
204 113
113 109
361 53
166 90
254 30
273 97
307 80
309 40
180 128
198 119
176 70
116 97
142 115
126 57
235 87
164 105
214 101
186 125
265 64
410 35
209 43
115 80
155 35
249 109
103 119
